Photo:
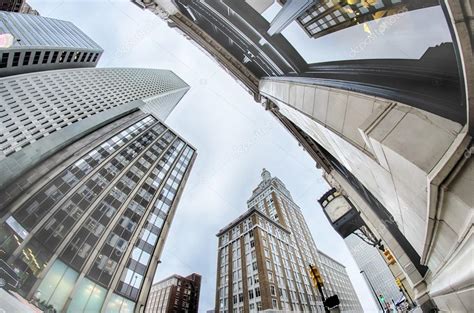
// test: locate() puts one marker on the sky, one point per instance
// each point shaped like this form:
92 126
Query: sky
234 136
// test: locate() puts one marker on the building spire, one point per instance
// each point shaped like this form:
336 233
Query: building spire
266 175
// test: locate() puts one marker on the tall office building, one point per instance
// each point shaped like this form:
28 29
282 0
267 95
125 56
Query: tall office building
41 43
264 256
101 175
175 294
44 112
337 281
376 271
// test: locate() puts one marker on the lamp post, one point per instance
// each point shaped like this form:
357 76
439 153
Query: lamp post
373 290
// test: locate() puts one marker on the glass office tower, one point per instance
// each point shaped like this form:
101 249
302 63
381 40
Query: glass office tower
91 177
88 236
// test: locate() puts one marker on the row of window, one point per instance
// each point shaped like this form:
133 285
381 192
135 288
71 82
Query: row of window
24 58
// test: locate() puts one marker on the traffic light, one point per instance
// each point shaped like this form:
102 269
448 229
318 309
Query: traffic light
315 275
382 298
399 283
389 257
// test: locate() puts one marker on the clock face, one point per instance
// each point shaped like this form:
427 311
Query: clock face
337 208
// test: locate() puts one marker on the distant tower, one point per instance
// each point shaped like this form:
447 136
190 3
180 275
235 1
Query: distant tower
266 176
264 255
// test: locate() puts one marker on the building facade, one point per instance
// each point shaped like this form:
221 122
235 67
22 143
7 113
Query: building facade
175 294
27 9
91 179
370 261
357 120
11 5
325 17
44 112
41 43
336 281
87 236
264 256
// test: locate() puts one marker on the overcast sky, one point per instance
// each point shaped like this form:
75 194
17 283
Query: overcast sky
234 136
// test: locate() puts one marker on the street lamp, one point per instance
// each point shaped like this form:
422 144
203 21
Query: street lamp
373 290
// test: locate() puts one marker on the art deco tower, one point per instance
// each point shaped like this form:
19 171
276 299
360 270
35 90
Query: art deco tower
264 256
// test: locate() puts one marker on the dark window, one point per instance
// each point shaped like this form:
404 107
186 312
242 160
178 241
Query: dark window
26 59
63 56
76 56
69 58
95 57
90 57
84 55
4 60
16 59
54 59
37 57
46 57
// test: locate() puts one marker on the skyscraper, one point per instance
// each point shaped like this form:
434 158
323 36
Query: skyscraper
175 294
41 43
264 256
91 178
372 263
88 234
44 112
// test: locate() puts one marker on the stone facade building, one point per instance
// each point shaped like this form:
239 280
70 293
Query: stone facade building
264 257
175 294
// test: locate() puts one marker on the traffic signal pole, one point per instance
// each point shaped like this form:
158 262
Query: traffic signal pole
317 278
320 288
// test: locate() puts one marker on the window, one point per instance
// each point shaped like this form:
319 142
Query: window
54 59
37 57
251 294
16 59
46 57
4 60
63 56
26 58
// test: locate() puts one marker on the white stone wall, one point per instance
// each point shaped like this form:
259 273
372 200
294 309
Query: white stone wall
390 147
